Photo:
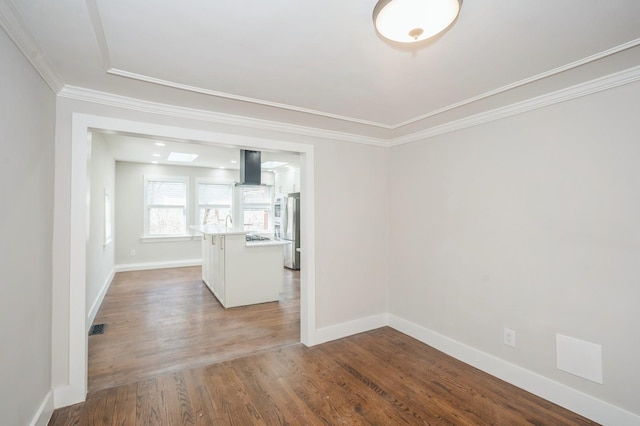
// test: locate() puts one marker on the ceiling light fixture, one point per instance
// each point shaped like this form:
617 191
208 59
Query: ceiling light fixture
159 144
410 21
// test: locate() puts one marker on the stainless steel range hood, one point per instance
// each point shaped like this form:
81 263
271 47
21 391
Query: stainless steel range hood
250 167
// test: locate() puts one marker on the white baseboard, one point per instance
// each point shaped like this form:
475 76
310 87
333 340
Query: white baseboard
66 395
43 415
98 302
338 331
157 265
569 398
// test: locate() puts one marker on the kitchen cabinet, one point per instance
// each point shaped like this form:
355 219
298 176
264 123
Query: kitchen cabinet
238 272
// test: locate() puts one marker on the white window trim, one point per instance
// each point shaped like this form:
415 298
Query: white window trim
163 178
196 213
256 206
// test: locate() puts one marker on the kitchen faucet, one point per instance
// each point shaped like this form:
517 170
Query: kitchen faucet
230 221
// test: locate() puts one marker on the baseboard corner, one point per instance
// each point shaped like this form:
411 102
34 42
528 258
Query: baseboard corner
558 393
349 328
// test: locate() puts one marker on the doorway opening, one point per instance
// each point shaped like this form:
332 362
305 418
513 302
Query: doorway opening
76 338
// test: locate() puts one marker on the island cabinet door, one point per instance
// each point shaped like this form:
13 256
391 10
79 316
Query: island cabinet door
217 268
206 256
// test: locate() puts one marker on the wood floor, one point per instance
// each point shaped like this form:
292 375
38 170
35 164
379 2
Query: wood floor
381 377
166 320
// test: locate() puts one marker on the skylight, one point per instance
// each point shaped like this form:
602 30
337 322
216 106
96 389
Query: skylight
182 157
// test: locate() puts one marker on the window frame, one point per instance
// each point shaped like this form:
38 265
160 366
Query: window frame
147 207
205 181
256 207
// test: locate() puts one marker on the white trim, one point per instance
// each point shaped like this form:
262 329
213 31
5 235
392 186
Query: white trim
525 81
214 93
349 328
506 88
610 81
63 396
569 398
186 212
104 98
583 89
45 411
157 265
14 26
75 338
98 30
98 302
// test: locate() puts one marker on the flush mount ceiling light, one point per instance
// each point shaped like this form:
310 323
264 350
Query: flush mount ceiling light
410 21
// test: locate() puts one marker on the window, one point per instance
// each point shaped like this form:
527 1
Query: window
214 203
166 205
257 208
108 230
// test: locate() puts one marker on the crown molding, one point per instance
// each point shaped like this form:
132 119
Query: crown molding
109 99
14 26
550 73
523 82
621 78
98 31
194 89
584 89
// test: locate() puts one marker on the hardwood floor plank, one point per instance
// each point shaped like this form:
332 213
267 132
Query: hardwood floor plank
165 360
147 405
166 321
381 377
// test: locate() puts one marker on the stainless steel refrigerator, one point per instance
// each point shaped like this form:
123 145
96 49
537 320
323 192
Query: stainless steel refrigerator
290 229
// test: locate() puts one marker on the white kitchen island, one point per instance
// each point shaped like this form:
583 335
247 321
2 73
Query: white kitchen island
240 272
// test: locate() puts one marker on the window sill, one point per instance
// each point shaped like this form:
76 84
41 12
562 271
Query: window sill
168 238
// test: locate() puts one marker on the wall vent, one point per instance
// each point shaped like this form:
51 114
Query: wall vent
96 329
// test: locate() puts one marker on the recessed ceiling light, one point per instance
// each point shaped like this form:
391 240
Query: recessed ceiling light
272 164
159 144
233 161
154 162
182 157
156 155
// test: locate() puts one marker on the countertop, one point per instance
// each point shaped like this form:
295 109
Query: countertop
267 243
221 230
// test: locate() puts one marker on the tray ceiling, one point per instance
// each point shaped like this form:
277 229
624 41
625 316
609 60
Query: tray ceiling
321 64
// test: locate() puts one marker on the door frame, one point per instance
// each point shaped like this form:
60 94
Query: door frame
82 125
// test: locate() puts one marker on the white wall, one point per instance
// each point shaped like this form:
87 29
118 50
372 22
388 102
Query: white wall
100 257
351 229
350 274
130 211
529 222
27 111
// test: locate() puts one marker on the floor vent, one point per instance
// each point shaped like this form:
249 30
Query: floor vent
96 329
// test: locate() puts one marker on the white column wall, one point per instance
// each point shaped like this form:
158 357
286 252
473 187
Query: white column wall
349 200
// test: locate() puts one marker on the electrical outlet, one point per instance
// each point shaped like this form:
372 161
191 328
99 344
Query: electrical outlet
509 337
133 252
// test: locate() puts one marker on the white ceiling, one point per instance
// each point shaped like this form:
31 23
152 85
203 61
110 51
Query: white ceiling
320 64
